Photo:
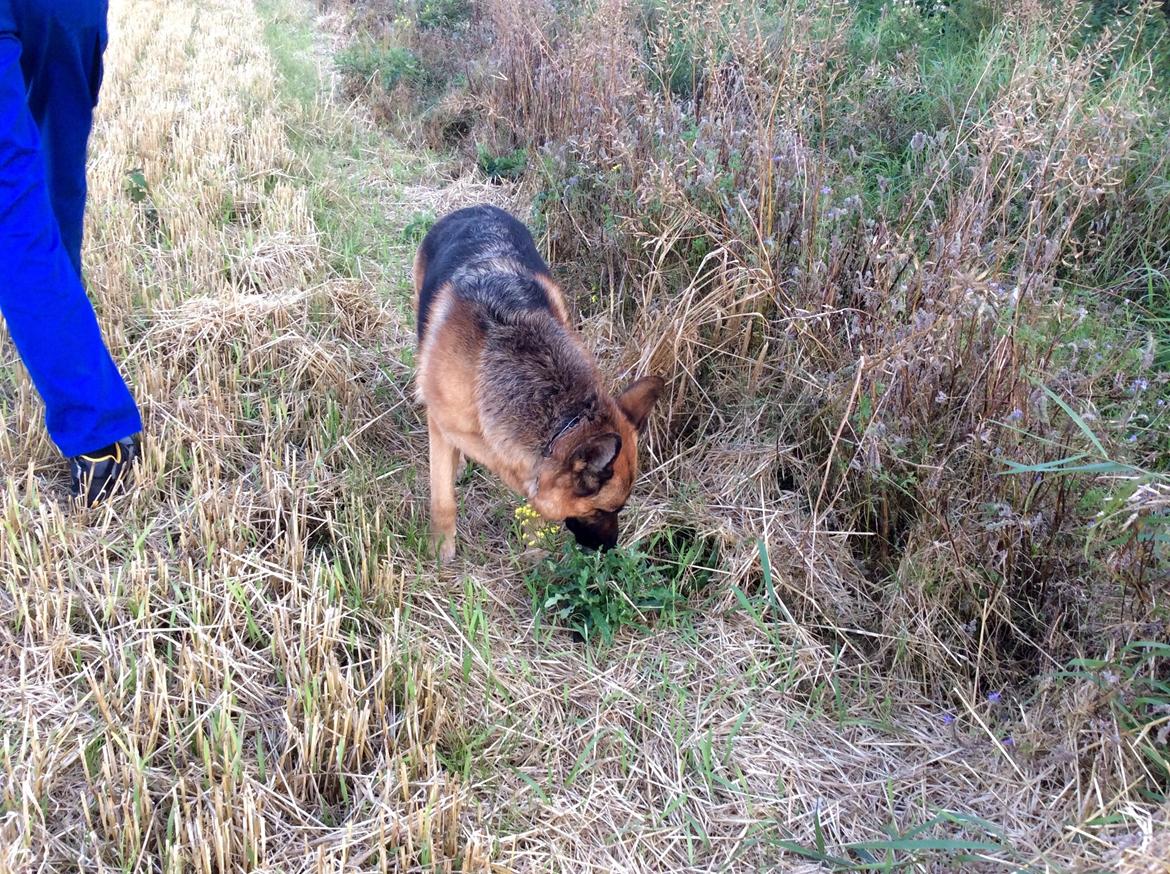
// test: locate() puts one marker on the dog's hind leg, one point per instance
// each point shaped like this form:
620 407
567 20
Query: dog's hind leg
442 459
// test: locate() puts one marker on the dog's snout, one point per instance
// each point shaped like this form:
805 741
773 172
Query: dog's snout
599 531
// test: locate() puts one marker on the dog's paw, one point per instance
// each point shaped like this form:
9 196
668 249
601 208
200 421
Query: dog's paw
443 545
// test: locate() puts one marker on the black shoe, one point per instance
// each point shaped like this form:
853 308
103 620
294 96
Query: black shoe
102 474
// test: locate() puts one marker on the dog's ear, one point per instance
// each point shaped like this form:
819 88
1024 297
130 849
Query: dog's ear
639 398
592 463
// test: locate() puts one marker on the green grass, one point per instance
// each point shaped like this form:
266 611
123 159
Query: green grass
909 849
442 14
415 229
386 66
291 42
344 159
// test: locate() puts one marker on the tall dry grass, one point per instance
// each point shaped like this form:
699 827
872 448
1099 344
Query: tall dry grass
878 246
864 312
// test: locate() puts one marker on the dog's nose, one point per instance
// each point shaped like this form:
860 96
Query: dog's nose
597 532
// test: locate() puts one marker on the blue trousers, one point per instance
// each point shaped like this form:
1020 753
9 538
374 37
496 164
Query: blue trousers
50 73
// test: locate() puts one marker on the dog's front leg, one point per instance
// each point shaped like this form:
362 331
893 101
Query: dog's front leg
442 460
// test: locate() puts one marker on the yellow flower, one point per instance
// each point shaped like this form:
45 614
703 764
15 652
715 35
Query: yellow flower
534 531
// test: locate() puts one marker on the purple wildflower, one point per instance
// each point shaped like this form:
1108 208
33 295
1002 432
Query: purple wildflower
1015 415
948 719
994 697
1009 742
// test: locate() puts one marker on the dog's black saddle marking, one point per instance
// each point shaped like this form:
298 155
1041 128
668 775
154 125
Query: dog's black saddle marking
489 257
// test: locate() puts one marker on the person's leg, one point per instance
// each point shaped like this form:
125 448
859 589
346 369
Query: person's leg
51 65
63 68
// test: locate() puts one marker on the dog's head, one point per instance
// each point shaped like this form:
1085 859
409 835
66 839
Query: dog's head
587 477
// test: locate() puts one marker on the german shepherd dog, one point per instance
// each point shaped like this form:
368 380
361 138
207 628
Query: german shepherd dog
507 382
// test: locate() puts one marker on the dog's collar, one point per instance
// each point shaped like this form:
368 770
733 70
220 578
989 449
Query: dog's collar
567 425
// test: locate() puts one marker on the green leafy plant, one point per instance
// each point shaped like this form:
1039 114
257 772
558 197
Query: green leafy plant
387 66
506 165
137 188
447 14
597 593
